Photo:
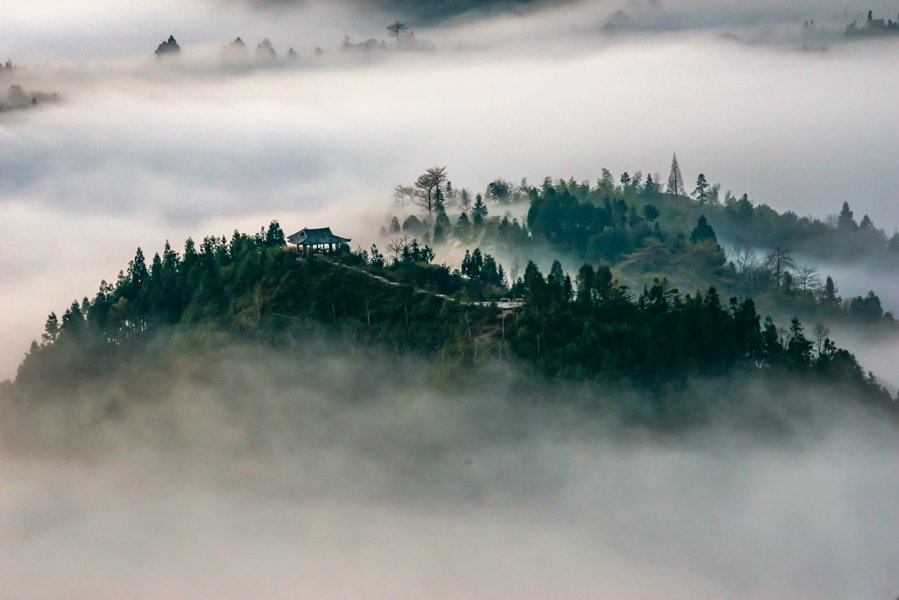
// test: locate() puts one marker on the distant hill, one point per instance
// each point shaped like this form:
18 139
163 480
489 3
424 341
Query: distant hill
17 98
433 10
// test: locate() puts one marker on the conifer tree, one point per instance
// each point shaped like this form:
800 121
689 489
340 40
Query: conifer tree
169 47
51 329
893 244
479 210
703 231
846 222
701 193
675 179
829 298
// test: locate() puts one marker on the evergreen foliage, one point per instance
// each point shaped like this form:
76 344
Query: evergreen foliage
252 288
703 232
169 47
642 233
675 179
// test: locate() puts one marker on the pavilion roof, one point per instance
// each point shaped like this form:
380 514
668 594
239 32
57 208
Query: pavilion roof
316 237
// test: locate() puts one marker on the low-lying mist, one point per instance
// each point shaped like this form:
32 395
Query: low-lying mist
307 475
138 152
250 473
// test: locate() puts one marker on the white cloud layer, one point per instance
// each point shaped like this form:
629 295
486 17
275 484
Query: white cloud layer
139 152
413 496
321 478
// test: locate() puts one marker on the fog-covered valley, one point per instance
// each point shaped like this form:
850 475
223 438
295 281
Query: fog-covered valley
255 471
258 475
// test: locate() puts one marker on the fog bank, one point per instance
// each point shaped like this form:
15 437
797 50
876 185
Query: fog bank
267 477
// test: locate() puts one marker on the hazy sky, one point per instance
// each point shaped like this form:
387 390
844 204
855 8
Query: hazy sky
137 152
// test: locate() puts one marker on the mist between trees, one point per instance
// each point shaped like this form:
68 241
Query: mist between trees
590 328
648 233
232 469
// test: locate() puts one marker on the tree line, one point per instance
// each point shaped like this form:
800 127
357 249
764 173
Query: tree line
645 232
252 288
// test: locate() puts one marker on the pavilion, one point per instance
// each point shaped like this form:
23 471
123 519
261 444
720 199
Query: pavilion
309 241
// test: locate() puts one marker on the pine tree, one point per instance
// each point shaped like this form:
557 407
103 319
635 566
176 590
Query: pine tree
274 235
846 222
703 231
701 193
72 320
489 272
650 212
675 179
829 299
441 221
893 244
473 264
266 50
479 210
586 282
463 226
137 272
650 188
866 224
799 348
51 329
169 47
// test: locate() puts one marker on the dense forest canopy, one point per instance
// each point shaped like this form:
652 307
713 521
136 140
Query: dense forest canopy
646 231
617 320
586 328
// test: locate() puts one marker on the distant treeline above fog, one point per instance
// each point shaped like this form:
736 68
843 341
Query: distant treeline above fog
646 232
237 53
18 98
420 12
401 33
873 27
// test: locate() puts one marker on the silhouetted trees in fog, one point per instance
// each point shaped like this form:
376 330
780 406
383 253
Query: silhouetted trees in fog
632 225
168 48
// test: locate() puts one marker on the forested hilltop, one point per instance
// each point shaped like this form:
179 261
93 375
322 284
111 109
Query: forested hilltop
646 232
253 289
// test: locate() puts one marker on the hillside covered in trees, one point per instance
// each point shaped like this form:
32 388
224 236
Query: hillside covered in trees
252 289
646 232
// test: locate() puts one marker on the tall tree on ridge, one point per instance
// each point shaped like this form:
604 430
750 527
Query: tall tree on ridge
675 179
426 187
701 193
401 193
396 29
846 222
479 210
779 261
829 297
